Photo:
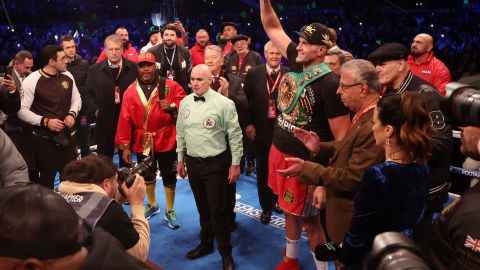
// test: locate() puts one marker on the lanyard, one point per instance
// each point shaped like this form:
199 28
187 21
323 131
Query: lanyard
360 114
270 90
170 62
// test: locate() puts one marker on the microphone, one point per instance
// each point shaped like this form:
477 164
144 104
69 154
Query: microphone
328 252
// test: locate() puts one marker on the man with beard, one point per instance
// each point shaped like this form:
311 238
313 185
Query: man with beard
227 31
79 69
51 103
129 52
425 65
198 50
307 99
173 60
149 108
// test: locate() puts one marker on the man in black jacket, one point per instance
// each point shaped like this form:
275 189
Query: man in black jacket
394 73
173 60
104 88
260 87
79 69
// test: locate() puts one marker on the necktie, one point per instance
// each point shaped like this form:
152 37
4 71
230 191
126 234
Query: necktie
195 98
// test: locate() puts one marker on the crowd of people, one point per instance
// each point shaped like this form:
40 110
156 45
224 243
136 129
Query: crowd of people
348 143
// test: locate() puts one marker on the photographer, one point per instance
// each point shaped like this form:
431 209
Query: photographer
90 186
455 237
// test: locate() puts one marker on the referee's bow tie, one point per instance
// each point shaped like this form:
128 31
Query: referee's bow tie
195 98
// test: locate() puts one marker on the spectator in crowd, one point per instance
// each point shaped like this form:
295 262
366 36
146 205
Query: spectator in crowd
335 59
202 40
79 69
346 55
40 230
394 73
129 52
106 83
53 115
147 122
244 59
154 38
392 195
94 180
425 65
19 131
261 90
173 60
227 31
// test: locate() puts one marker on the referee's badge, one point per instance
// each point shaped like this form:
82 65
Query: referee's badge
186 114
65 85
209 122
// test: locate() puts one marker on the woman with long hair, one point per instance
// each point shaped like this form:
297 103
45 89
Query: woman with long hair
393 194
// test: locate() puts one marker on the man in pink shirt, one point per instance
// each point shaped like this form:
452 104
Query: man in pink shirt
426 66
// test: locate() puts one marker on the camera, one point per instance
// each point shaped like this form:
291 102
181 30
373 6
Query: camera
128 174
463 104
394 251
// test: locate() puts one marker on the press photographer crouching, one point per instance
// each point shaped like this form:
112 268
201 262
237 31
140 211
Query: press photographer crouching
39 230
90 186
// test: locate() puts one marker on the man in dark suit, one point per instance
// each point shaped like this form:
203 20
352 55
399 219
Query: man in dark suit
19 131
104 88
229 86
260 87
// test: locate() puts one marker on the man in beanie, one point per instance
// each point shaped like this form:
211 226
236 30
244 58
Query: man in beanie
307 99
394 73
227 31
154 40
40 230
149 109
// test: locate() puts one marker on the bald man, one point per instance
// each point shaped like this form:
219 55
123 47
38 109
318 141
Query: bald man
209 142
425 65
202 40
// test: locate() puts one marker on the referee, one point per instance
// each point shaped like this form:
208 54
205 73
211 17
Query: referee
209 142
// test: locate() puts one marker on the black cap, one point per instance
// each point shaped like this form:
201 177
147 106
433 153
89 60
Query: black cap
36 222
316 33
389 51
234 25
238 37
153 32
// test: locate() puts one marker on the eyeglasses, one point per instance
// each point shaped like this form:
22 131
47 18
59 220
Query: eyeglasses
346 86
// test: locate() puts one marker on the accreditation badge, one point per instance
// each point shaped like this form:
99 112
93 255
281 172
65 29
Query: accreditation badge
272 110
171 74
117 94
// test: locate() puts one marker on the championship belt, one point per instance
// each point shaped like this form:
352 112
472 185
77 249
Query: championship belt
291 92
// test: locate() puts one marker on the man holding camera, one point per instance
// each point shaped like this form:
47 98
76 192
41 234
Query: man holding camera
50 103
149 108
90 186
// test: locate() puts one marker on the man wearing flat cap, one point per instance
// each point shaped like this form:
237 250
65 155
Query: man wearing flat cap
243 59
394 73
307 99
